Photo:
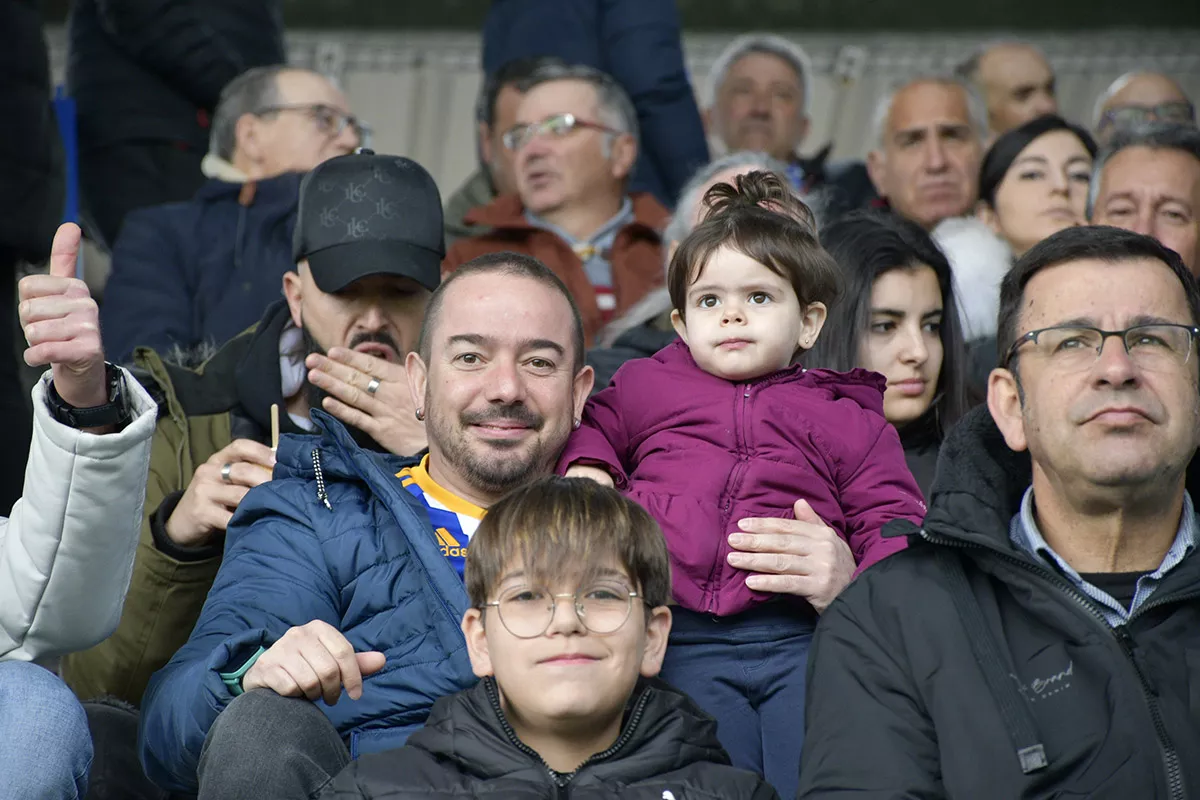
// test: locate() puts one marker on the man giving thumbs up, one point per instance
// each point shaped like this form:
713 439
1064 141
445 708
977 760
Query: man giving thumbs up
67 550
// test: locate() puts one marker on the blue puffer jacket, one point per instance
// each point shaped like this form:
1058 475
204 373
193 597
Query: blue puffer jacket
368 564
200 271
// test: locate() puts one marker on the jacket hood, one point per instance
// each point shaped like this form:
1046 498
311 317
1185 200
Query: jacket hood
663 731
980 482
507 211
862 386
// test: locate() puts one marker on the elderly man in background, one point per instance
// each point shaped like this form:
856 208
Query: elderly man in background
147 78
202 271
1016 81
1139 97
1148 180
574 144
757 99
928 137
495 113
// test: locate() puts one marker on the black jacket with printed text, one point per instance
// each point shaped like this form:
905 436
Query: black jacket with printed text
963 668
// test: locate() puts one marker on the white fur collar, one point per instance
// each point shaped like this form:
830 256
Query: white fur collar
213 166
979 259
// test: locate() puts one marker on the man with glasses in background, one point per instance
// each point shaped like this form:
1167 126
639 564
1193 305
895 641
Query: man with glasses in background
575 144
190 276
1136 98
146 78
1040 634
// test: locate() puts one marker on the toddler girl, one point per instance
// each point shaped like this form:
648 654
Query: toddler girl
725 425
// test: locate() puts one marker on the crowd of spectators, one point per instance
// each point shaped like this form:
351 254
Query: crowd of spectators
655 460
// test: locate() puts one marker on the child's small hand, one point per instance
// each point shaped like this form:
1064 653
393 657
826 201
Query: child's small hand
592 473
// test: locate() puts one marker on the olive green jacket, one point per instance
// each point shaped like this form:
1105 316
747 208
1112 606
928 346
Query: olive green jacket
196 419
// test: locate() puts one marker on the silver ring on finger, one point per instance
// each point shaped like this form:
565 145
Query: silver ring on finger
226 472
373 386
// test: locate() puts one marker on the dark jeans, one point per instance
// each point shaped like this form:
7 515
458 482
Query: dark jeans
120 178
116 771
748 672
15 409
264 745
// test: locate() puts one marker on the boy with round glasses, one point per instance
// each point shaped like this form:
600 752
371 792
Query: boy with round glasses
569 584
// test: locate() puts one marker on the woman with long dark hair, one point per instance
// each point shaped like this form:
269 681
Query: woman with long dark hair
898 316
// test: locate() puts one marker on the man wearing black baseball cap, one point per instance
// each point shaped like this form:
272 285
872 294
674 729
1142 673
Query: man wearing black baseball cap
368 247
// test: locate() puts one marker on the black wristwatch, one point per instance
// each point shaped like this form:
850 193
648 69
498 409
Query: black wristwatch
116 411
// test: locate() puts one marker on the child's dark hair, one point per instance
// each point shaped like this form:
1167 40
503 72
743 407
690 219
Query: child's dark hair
760 217
556 524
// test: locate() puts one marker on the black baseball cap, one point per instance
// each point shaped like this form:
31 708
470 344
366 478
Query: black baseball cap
365 214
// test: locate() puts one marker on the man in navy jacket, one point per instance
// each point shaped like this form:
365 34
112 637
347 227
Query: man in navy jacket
203 271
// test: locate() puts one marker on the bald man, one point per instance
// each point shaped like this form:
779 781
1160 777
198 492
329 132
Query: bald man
1138 97
1016 81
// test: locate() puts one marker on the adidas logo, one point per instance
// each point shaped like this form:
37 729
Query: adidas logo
450 546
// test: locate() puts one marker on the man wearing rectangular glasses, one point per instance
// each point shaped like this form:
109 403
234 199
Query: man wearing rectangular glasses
196 274
574 147
1136 98
1041 634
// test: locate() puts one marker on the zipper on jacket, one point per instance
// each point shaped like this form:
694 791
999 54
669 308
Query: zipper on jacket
322 493
734 479
562 780
1170 756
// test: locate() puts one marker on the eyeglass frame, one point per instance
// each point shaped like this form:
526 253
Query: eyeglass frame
342 118
1108 118
1032 336
508 138
578 606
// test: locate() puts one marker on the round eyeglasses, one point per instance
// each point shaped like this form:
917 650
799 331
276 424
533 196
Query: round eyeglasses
526 612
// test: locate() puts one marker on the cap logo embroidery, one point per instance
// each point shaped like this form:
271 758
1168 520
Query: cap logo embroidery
385 208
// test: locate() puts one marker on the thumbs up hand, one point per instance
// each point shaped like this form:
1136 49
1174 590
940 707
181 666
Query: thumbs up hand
62 325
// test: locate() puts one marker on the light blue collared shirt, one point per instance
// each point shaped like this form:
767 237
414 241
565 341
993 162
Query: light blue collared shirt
594 251
1024 533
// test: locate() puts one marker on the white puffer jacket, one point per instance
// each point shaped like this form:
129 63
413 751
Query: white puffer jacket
66 553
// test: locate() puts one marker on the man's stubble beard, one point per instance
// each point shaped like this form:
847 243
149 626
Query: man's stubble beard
507 466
